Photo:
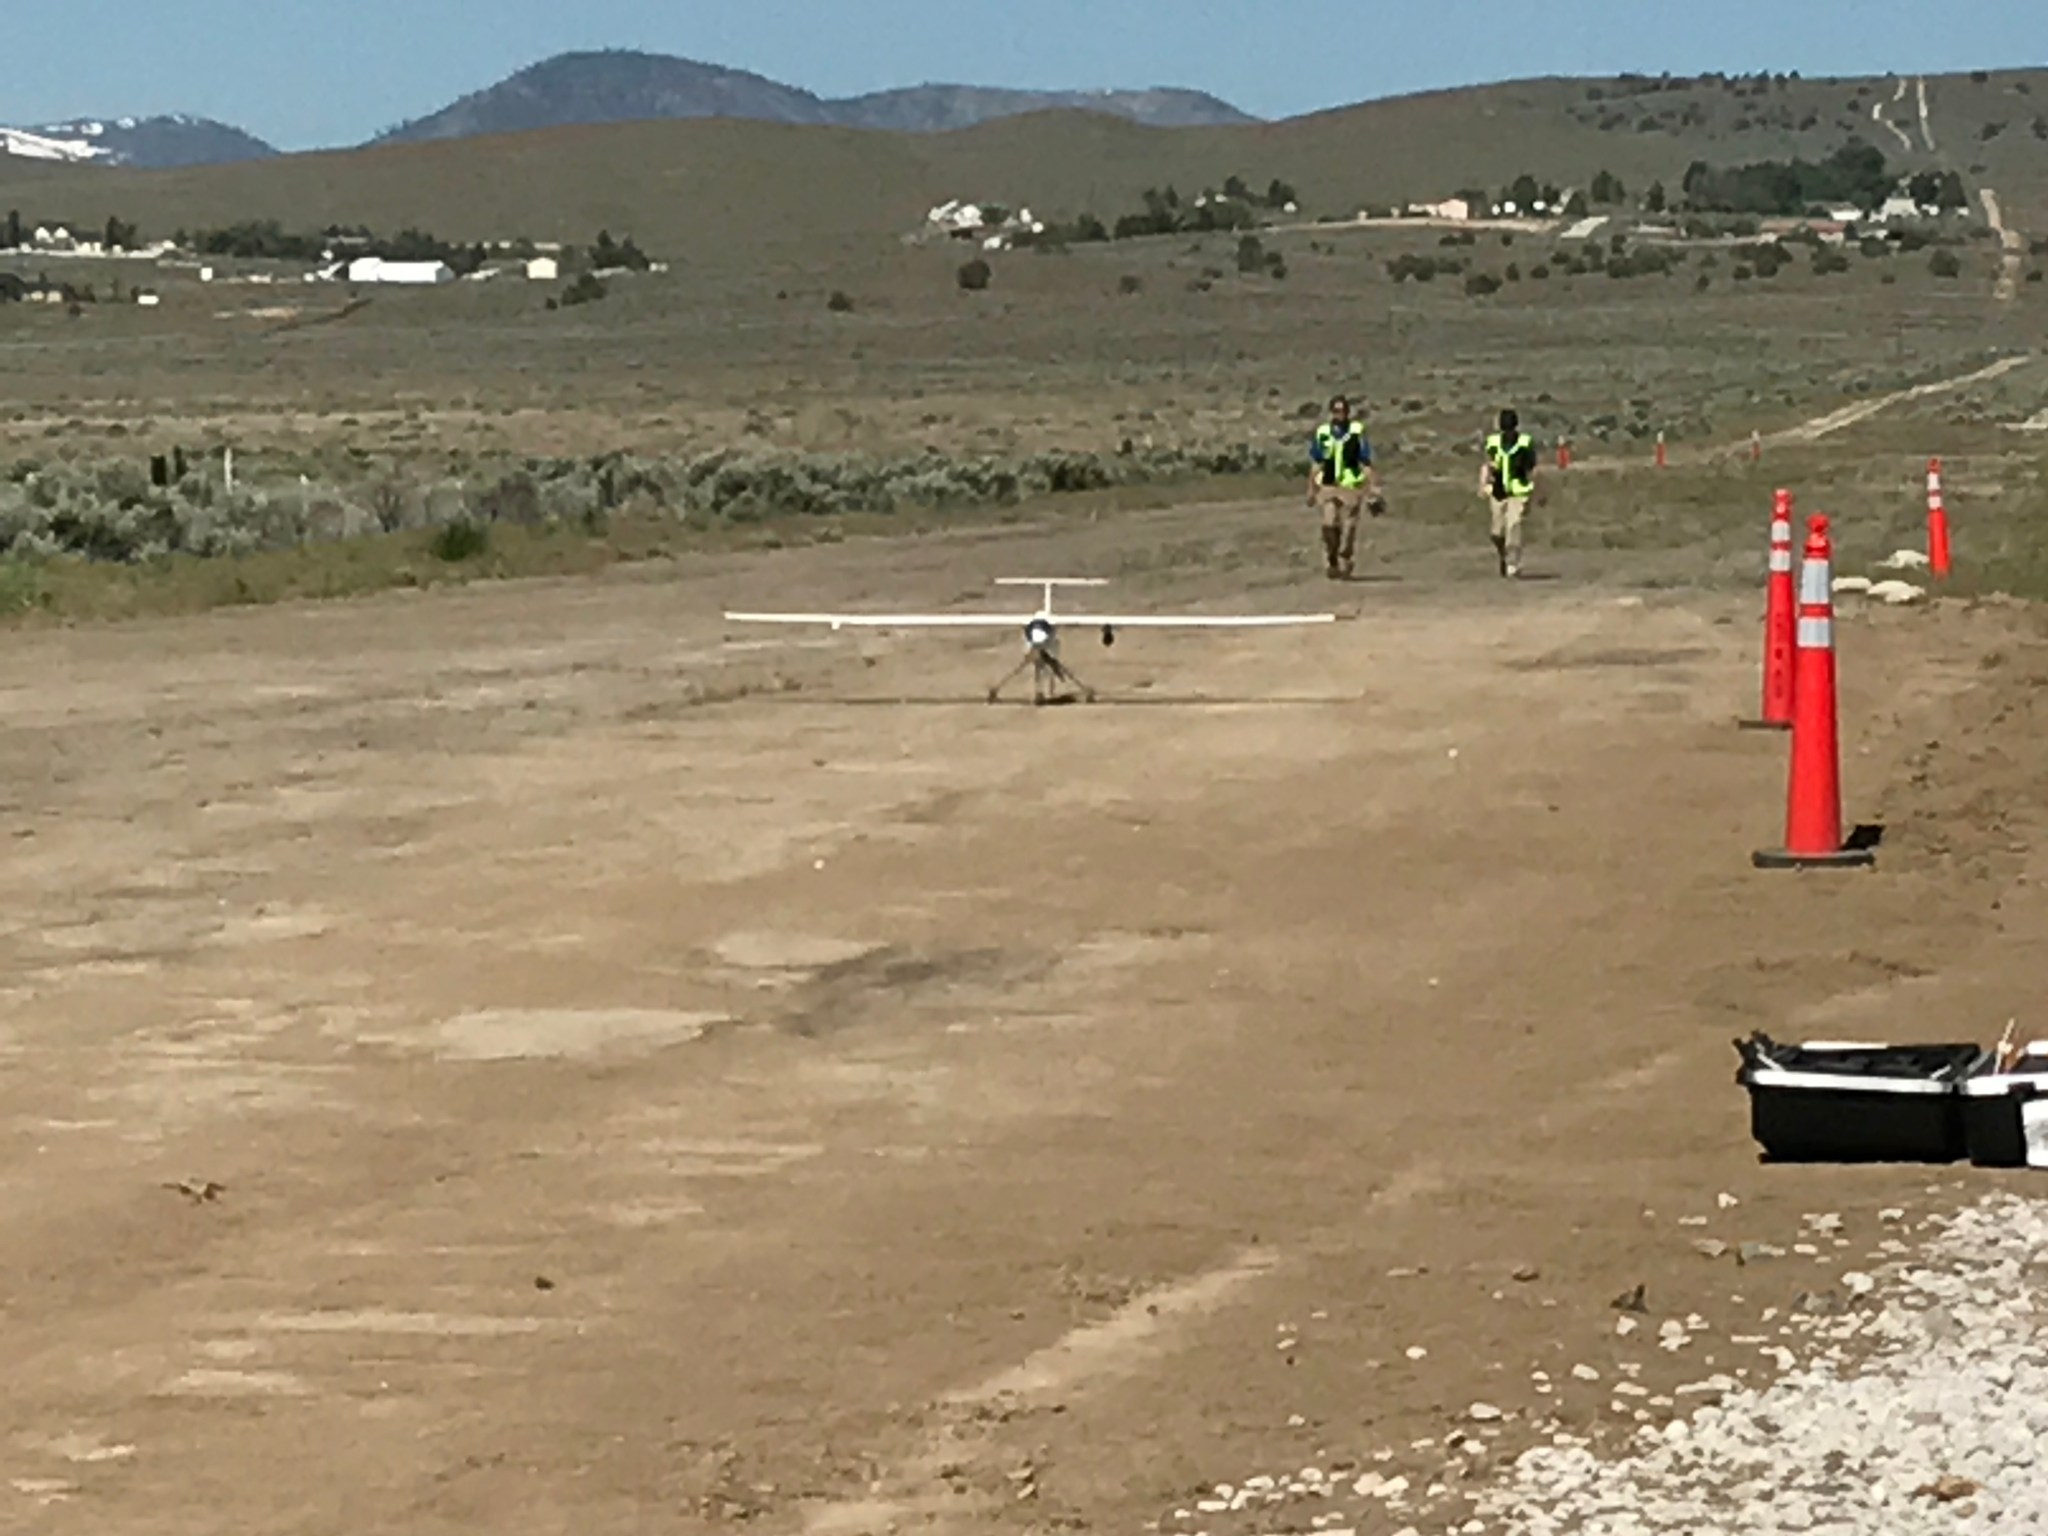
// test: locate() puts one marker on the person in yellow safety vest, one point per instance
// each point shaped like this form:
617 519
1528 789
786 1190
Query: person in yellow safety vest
1342 482
1508 478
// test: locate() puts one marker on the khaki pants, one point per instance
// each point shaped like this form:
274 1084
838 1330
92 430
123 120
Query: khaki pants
1507 527
1341 511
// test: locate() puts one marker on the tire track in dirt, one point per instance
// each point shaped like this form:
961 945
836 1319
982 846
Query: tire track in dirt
2012 240
1849 415
1877 116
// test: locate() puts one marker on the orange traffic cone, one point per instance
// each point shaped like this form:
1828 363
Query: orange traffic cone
1813 816
1780 624
1937 521
1662 457
1564 453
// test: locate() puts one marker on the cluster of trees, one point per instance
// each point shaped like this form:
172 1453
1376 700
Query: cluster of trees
267 240
1856 173
1166 212
119 234
609 255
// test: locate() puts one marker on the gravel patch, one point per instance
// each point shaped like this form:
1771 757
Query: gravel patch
1920 1408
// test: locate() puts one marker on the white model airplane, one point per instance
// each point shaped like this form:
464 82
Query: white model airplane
1041 629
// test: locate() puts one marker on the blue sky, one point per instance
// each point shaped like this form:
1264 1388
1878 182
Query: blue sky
305 74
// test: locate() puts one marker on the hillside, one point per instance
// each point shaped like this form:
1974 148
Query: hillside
733 192
940 108
623 86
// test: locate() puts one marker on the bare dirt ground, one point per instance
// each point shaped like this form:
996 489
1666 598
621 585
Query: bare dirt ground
534 1059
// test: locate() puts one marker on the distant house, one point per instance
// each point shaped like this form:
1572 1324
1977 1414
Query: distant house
375 269
543 269
1900 206
1450 208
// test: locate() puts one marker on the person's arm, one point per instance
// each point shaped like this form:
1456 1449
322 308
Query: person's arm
1375 497
1315 464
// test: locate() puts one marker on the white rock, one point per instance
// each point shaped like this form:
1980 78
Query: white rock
1726 1201
1484 1413
1585 1373
1417 1352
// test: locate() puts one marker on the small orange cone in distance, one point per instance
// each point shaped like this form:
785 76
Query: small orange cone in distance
1813 812
1780 624
1937 521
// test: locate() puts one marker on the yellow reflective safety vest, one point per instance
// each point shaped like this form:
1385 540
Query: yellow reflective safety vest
1503 456
1342 456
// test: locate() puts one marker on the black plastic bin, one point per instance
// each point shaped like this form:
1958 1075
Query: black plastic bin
1853 1103
2005 1113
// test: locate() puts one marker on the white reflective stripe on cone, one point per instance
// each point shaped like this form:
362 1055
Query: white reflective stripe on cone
1816 585
1816 634
1781 533
1781 560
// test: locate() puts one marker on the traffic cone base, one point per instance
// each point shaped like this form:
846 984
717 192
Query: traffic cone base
1847 858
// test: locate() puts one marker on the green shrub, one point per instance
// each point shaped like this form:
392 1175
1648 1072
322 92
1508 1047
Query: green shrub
1480 284
1251 254
974 275
587 289
839 303
1945 264
463 539
1130 283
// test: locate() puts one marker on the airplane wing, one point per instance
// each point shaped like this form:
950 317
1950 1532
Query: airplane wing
890 620
1190 621
1019 620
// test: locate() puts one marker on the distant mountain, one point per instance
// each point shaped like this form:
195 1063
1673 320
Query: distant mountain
147 143
936 108
620 86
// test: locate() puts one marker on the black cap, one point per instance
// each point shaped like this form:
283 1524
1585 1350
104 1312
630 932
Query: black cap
1509 421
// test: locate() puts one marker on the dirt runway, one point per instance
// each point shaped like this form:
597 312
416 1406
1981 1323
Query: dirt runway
538 1059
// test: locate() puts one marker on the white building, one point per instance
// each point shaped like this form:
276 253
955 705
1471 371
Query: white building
543 269
375 269
1450 208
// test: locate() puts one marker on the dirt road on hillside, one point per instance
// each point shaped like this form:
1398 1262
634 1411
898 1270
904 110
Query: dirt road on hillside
532 1060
